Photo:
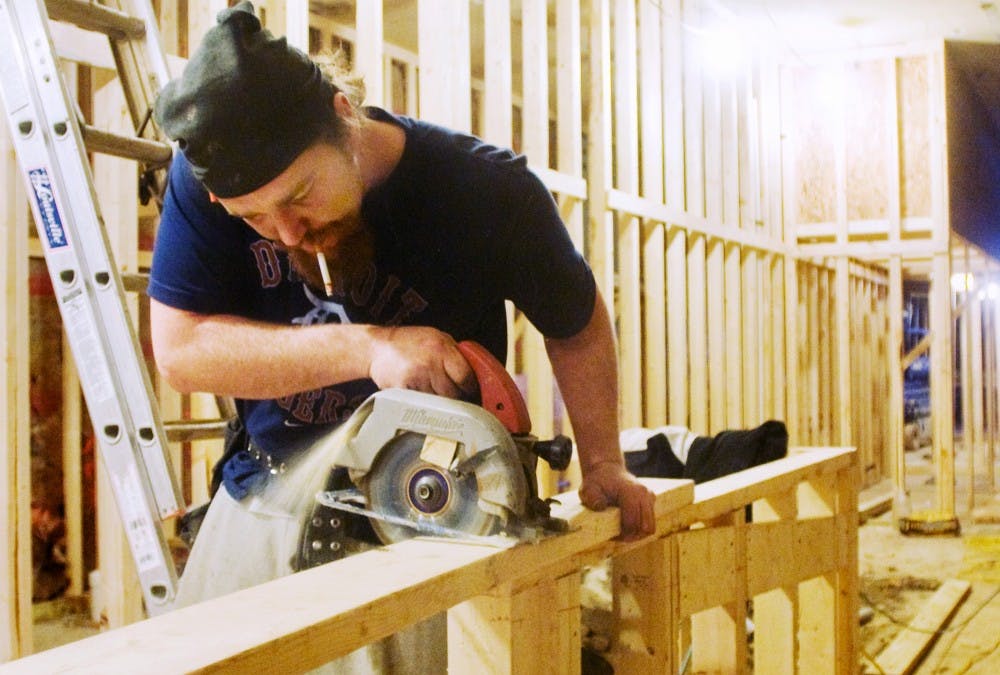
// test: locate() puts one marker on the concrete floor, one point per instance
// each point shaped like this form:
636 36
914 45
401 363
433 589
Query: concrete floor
61 621
900 572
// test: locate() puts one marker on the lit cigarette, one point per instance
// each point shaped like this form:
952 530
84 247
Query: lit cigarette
325 273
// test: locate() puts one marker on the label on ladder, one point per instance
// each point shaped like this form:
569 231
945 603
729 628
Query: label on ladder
116 386
135 518
48 209
79 324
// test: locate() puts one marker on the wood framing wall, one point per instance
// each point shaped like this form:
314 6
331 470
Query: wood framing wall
752 248
678 209
888 162
833 386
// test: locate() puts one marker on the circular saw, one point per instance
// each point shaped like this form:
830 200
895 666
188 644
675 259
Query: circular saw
404 485
421 464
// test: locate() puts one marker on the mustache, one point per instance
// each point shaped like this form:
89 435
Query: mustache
348 262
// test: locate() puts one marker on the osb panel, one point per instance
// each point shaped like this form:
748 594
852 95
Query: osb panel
867 84
813 116
915 136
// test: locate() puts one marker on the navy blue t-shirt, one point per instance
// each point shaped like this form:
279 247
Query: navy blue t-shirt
460 226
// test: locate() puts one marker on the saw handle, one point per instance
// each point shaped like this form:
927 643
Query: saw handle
497 390
558 452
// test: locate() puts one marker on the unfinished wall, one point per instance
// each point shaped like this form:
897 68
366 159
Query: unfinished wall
820 369
678 206
892 161
671 177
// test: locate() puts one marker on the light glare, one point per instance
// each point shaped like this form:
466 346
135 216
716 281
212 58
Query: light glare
962 281
724 52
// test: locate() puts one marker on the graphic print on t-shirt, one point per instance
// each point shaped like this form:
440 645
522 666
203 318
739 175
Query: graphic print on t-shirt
323 311
385 301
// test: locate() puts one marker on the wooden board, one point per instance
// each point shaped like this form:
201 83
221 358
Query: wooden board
306 619
15 426
303 620
876 500
904 653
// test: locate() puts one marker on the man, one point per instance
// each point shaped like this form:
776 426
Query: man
311 252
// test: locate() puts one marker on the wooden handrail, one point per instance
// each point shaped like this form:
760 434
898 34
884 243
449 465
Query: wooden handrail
309 618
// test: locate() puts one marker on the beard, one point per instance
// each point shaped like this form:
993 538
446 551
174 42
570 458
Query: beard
349 261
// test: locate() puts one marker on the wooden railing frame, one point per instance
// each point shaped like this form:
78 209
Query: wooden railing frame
517 610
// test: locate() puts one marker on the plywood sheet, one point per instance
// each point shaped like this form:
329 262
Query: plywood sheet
915 136
813 100
866 140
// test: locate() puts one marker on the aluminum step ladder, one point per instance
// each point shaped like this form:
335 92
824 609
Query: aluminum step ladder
51 143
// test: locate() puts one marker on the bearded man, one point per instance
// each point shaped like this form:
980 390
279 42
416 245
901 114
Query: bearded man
312 252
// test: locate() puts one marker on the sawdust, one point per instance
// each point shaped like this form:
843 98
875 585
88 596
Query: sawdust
295 490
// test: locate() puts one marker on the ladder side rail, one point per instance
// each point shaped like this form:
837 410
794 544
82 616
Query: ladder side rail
50 152
142 68
154 56
104 275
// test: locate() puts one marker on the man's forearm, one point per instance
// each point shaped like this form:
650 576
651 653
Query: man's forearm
585 367
232 356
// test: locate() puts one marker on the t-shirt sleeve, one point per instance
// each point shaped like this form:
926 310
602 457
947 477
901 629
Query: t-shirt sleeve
196 256
546 277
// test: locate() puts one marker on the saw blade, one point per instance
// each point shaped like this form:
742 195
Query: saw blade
403 485
341 501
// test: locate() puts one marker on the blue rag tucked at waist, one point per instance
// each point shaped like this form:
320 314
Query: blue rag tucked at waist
243 474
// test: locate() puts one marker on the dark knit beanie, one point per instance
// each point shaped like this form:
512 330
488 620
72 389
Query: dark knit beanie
246 105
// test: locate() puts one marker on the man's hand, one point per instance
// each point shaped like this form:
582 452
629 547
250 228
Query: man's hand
422 359
610 484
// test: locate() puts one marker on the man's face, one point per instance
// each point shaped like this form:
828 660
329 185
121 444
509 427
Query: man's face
313 206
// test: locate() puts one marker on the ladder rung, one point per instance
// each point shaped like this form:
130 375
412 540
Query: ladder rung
135 282
194 430
227 406
90 16
140 149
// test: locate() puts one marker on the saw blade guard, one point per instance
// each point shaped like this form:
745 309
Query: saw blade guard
469 435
